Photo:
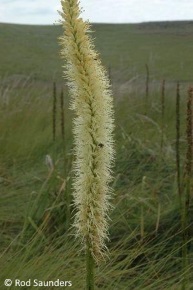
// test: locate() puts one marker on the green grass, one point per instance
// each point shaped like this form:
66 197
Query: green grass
145 238
126 48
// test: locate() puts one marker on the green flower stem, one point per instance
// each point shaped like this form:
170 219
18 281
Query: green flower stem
89 268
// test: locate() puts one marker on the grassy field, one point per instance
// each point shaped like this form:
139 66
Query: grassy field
146 239
165 47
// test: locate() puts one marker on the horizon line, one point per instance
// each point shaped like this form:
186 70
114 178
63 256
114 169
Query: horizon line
103 23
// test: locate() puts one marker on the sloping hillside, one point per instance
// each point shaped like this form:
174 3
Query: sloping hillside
165 46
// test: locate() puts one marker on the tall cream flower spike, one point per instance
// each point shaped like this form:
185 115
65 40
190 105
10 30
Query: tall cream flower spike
93 126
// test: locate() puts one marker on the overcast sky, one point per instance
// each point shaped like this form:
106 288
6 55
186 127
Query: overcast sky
106 11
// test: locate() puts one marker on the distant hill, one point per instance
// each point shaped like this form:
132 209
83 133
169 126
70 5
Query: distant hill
165 46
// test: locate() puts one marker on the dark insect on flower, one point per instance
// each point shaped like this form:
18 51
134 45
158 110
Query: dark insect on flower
101 145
